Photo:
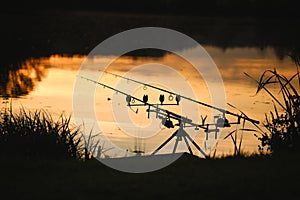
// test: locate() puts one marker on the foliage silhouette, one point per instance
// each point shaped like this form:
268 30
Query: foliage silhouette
283 127
37 135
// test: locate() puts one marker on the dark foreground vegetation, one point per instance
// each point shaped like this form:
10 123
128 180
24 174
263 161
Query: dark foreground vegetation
283 123
189 177
36 135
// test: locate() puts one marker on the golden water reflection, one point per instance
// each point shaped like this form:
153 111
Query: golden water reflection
47 83
20 80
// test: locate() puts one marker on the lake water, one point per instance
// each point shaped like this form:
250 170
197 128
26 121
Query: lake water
48 83
37 75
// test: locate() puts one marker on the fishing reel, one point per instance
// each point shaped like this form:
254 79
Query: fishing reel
222 122
167 123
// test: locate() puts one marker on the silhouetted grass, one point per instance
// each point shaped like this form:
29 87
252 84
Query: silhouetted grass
283 126
37 135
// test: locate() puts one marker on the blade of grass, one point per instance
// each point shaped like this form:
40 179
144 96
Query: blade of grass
263 87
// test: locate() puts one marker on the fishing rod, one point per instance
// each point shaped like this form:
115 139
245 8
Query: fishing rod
159 111
166 116
178 96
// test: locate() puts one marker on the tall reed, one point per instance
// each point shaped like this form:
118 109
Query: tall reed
283 122
36 135
237 141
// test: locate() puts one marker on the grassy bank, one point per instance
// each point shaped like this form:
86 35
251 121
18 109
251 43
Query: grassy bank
188 177
51 172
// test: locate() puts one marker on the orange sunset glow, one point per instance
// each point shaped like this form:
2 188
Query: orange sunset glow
53 90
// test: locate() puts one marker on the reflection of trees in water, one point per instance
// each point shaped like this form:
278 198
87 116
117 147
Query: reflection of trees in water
19 80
